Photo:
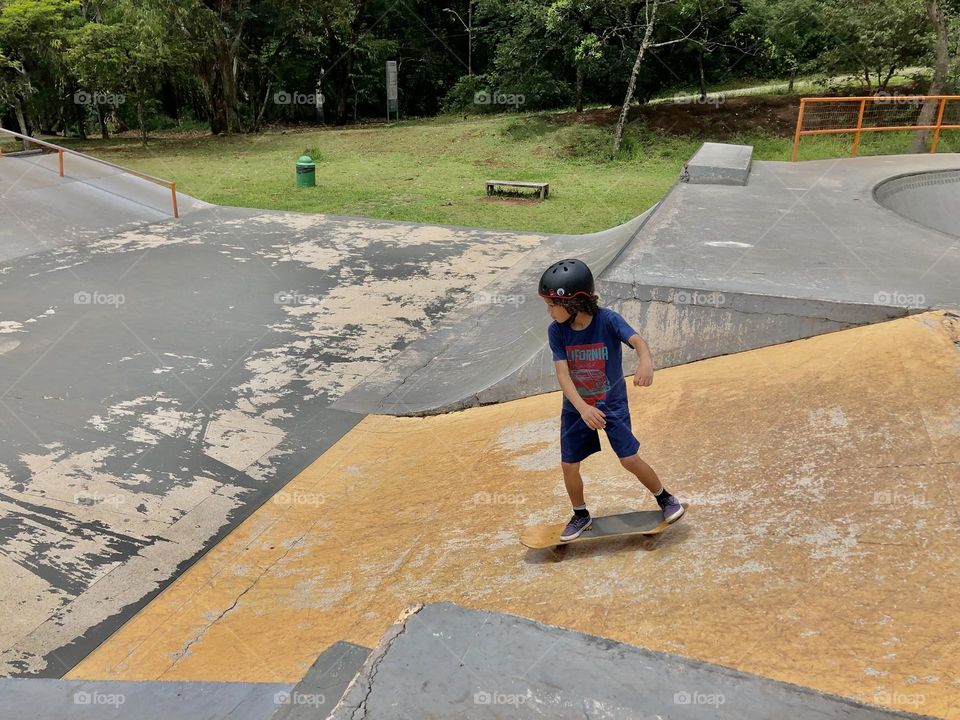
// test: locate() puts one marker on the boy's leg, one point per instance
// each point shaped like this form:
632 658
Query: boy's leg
669 505
581 518
573 482
644 473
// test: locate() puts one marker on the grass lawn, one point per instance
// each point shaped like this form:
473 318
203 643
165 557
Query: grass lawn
434 170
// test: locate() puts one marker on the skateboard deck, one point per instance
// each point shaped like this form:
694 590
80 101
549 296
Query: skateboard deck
645 522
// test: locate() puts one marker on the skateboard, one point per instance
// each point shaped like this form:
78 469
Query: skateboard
646 522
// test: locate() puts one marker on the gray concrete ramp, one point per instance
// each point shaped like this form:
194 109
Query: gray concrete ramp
489 350
41 210
104 700
714 268
443 661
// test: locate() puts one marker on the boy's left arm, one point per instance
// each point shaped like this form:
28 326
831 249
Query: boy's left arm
644 374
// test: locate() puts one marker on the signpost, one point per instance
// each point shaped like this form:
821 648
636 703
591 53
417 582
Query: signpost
392 90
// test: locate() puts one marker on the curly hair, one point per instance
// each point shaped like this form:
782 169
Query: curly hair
579 304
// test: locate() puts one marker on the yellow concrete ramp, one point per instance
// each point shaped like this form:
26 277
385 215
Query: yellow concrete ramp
821 547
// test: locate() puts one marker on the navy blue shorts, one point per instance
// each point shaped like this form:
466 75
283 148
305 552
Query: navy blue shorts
578 441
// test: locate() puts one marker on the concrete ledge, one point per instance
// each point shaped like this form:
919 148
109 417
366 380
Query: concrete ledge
43 699
719 164
445 661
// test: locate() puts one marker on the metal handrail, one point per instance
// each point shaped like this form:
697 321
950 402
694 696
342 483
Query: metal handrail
62 150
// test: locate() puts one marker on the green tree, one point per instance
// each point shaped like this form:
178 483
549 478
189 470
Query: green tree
34 34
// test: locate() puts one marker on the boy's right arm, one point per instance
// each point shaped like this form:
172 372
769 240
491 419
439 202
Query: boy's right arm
592 416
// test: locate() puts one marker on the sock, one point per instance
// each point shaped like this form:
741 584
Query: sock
663 495
581 511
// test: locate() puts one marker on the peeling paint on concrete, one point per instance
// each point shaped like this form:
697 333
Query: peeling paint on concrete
195 397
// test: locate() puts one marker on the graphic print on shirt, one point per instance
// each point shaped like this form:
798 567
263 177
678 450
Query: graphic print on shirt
588 369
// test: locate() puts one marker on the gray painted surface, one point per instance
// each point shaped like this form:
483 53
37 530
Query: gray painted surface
488 341
719 164
712 270
136 434
102 700
42 210
324 684
445 661
928 198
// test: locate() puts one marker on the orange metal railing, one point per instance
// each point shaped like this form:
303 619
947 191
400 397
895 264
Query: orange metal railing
61 151
874 101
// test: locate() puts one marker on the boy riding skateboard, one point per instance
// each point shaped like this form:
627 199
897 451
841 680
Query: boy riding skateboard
585 341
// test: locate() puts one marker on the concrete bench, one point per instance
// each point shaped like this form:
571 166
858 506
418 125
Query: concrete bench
542 188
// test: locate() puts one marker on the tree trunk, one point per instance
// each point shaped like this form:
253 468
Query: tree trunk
886 80
579 87
344 69
632 84
102 119
940 69
143 130
701 75
21 121
258 115
80 113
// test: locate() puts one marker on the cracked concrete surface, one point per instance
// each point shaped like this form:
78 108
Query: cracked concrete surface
170 378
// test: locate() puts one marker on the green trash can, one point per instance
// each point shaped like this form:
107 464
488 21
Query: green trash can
306 172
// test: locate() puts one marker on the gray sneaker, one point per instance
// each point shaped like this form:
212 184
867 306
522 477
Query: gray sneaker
672 509
576 526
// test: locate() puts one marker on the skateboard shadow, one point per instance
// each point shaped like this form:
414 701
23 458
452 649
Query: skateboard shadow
611 546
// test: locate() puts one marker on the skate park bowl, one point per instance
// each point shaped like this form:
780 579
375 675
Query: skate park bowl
236 445
928 199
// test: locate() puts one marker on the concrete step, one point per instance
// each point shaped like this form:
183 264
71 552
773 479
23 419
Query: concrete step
324 684
445 661
314 696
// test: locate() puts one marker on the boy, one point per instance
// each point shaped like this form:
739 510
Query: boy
585 340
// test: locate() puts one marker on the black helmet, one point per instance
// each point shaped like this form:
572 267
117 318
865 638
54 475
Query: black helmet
566 278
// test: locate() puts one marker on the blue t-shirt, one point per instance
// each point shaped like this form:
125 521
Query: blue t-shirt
594 358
